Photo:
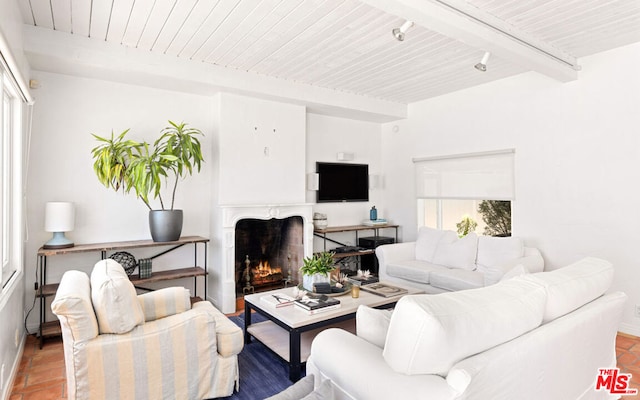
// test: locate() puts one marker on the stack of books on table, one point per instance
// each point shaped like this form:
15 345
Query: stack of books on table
278 300
384 289
375 222
315 305
362 280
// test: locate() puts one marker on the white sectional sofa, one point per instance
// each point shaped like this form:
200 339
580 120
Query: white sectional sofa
438 261
537 336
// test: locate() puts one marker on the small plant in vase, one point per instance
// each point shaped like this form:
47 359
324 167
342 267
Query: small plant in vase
316 269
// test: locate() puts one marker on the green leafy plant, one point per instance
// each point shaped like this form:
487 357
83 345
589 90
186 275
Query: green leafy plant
125 164
497 215
466 226
320 263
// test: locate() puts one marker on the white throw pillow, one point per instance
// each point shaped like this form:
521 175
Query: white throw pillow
114 298
571 287
372 324
72 305
514 272
495 251
457 253
427 242
428 334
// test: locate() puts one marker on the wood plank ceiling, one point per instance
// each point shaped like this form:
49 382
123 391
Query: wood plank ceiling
343 45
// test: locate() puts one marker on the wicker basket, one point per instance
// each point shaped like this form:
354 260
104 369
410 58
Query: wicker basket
127 260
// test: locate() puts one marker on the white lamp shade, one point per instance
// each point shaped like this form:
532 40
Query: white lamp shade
59 216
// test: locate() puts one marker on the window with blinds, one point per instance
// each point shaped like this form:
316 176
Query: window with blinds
466 192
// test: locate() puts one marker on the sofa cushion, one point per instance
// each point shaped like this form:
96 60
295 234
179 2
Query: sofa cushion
164 302
427 242
453 279
514 272
323 392
303 390
430 333
372 324
412 270
571 287
457 252
114 298
73 304
494 251
296 391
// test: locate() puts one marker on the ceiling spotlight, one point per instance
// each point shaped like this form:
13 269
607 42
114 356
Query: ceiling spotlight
482 65
398 33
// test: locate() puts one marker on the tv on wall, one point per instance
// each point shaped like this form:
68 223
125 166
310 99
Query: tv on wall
341 182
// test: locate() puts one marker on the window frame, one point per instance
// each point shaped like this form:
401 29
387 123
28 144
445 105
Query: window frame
10 180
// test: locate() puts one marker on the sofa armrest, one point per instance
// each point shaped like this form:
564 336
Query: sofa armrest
532 261
164 302
390 253
357 368
229 336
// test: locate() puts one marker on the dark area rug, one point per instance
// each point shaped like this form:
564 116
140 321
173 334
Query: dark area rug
262 373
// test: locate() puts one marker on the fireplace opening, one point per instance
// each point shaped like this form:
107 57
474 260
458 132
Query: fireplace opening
268 253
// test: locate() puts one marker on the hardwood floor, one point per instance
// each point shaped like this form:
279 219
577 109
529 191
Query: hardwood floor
41 374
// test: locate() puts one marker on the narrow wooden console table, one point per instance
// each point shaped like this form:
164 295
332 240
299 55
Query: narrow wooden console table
346 257
44 290
322 233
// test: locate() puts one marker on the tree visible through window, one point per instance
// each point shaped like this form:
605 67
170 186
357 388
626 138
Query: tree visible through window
485 217
497 217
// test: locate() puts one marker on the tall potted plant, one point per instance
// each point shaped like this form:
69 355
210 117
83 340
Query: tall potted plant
125 164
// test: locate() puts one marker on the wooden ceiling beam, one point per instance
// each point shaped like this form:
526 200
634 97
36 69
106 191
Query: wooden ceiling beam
474 27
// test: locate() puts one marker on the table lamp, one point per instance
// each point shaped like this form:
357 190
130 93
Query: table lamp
59 217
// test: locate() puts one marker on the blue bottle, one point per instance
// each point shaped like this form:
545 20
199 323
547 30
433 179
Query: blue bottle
373 214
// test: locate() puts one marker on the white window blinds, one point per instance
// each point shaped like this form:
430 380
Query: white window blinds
481 176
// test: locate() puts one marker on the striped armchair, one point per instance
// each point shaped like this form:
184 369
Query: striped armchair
118 345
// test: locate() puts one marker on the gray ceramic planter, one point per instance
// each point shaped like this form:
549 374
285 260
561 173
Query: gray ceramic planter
165 225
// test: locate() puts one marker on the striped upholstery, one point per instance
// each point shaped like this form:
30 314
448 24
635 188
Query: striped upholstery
229 342
164 302
186 354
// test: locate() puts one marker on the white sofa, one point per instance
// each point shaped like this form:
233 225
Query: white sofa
438 261
538 336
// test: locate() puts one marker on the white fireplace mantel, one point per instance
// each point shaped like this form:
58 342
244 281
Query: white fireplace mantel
231 214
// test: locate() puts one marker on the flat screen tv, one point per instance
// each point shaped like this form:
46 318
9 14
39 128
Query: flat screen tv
341 182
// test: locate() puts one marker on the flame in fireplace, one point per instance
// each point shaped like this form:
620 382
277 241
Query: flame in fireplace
264 269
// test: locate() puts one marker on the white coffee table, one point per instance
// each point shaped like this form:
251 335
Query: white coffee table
289 331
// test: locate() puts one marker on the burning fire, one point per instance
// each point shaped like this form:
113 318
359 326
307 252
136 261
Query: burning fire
264 269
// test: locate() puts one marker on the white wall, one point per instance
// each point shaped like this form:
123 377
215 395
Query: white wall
68 109
327 136
577 151
261 151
